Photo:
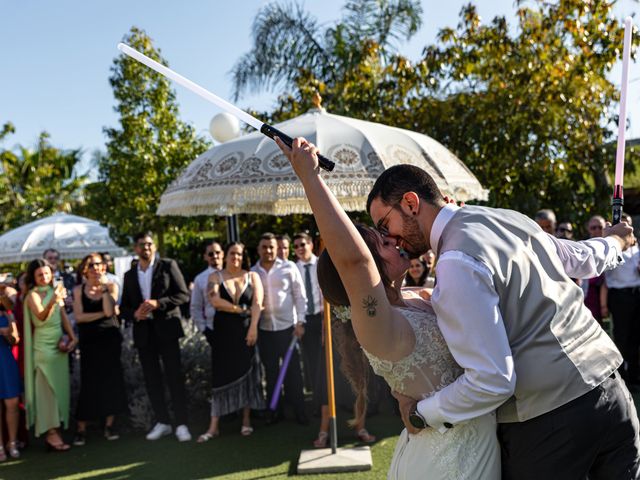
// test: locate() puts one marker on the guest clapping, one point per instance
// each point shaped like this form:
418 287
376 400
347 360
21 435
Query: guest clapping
237 297
102 391
46 360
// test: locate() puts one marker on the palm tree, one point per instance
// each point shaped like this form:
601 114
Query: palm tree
288 42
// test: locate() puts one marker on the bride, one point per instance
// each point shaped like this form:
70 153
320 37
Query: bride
397 331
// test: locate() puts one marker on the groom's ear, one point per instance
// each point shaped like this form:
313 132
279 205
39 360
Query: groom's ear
410 203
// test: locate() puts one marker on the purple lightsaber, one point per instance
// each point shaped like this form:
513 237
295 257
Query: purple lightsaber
283 371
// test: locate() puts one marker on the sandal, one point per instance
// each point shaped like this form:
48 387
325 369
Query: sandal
3 456
364 436
12 449
206 436
246 431
321 441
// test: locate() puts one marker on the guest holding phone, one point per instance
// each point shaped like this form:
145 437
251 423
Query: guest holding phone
46 360
102 391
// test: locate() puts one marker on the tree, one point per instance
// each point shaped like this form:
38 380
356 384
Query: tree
531 113
37 183
289 43
146 151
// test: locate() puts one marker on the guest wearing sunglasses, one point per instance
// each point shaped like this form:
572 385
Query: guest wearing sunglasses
102 391
202 312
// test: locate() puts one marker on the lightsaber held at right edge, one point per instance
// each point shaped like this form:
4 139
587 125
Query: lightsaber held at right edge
618 195
264 128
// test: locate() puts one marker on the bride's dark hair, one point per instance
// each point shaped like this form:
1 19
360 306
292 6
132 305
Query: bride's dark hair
354 364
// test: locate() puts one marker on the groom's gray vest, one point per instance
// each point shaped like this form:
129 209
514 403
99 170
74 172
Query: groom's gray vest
559 350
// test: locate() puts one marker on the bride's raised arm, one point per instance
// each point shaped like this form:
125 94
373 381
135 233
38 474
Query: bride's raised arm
380 329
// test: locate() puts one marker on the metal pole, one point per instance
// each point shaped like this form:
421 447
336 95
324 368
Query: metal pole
328 348
233 233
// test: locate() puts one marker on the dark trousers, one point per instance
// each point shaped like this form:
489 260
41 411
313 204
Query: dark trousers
594 436
624 305
273 347
150 356
311 346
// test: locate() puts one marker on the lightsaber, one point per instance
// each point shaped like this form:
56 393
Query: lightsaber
264 128
618 194
283 371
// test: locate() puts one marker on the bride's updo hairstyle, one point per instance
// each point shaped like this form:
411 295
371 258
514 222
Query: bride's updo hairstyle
354 364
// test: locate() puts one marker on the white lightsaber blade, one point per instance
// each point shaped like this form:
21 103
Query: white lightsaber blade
264 128
622 121
194 87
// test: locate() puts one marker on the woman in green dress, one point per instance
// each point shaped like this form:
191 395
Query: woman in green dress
46 360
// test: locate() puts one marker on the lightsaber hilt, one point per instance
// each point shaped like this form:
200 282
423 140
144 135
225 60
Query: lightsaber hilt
272 132
617 204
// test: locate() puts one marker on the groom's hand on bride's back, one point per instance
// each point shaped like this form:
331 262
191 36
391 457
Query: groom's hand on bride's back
407 406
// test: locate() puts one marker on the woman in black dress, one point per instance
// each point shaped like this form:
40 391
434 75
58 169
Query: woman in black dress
237 297
102 391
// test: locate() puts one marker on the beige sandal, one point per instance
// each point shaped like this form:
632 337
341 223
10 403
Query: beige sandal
206 436
246 431
321 441
364 436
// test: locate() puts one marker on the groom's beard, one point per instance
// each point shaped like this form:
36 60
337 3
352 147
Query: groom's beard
413 241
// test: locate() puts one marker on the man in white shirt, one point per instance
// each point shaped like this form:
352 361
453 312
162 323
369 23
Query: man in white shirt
202 311
566 414
283 316
312 341
284 246
623 301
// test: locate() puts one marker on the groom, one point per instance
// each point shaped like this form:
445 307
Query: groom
517 324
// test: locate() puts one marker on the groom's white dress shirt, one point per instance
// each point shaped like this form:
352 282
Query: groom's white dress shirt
469 315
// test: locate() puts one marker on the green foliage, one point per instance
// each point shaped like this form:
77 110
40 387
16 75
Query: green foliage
145 152
37 183
531 112
289 43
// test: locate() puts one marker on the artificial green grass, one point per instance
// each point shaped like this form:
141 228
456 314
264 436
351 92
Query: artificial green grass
270 453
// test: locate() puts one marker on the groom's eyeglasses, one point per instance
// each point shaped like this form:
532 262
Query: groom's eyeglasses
381 226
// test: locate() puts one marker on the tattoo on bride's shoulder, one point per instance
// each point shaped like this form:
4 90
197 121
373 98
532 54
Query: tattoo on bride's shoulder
369 304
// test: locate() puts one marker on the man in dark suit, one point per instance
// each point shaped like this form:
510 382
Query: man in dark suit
152 294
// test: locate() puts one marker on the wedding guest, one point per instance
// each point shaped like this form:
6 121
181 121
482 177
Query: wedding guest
546 219
201 310
46 355
311 341
18 352
153 292
284 242
283 317
417 274
565 230
110 272
596 291
10 383
52 256
237 297
623 300
102 391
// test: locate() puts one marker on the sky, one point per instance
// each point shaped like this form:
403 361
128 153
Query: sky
55 58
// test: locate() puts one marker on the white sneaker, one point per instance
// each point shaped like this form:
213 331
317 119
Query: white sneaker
158 431
183 434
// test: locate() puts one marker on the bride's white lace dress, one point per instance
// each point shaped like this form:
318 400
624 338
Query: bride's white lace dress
466 451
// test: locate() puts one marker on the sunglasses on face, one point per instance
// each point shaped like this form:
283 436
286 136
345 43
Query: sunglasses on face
300 245
215 252
94 264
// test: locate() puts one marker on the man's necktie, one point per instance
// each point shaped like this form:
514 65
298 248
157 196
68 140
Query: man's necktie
309 287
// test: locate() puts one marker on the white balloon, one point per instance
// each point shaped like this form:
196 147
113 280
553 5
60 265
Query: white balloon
224 127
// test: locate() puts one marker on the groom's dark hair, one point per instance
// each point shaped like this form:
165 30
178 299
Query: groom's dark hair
394 182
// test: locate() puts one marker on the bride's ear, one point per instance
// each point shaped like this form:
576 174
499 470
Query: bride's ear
410 203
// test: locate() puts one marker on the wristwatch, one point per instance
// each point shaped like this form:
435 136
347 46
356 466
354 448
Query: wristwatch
417 420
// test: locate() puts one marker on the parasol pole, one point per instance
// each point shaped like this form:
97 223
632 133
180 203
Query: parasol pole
264 128
618 195
331 391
